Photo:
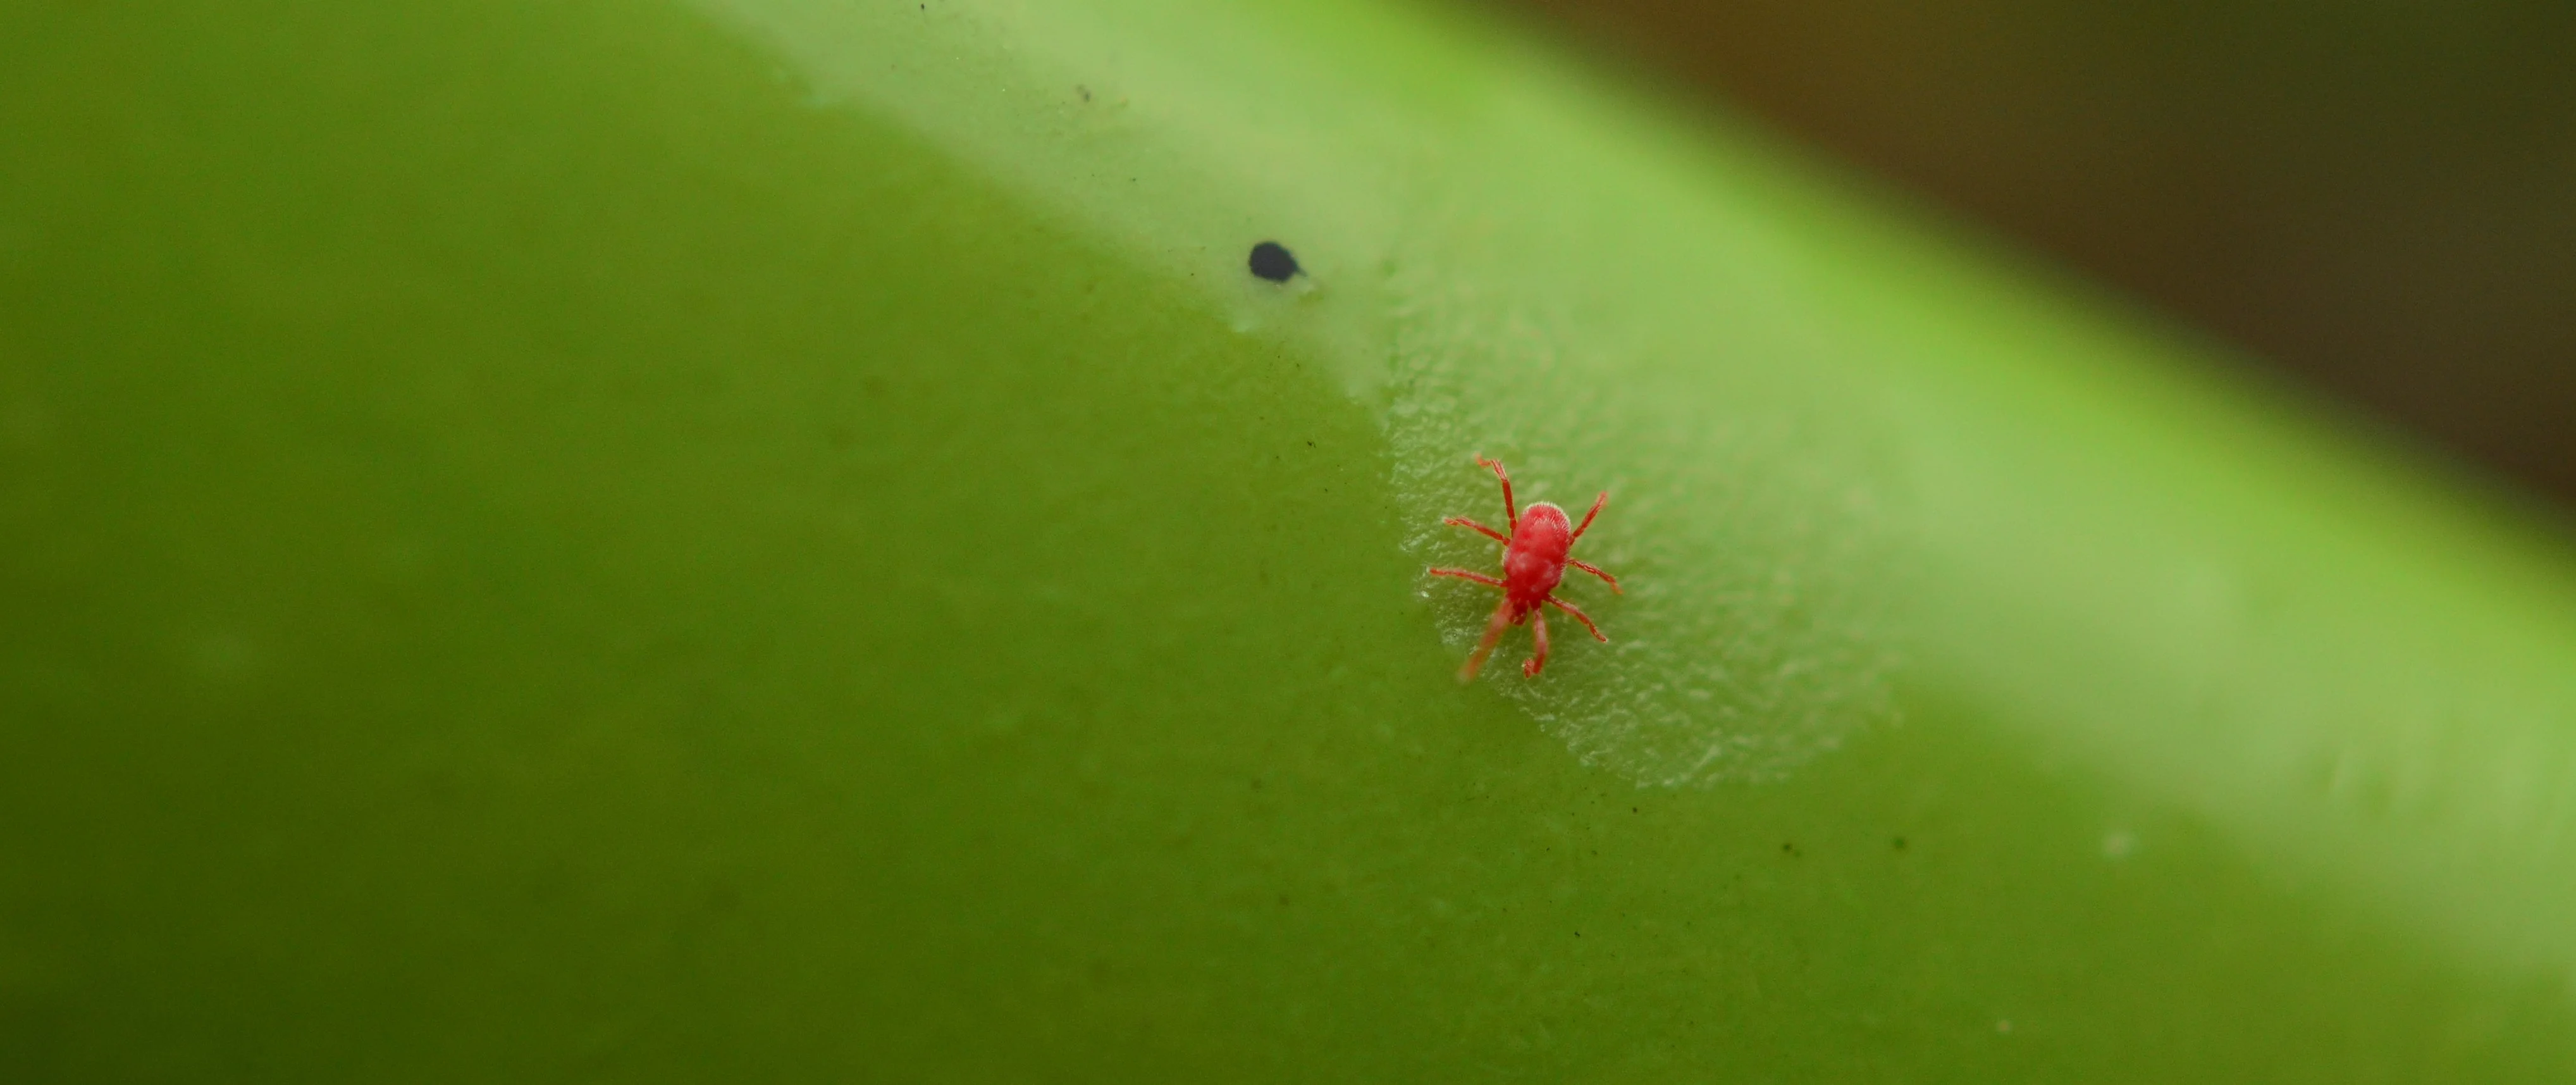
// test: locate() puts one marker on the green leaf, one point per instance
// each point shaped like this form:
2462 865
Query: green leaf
778 539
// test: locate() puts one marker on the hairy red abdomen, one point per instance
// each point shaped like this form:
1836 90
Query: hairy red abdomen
1535 561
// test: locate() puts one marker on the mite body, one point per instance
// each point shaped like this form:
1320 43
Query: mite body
1535 555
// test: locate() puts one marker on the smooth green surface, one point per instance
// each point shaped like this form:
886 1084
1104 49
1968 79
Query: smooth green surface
721 543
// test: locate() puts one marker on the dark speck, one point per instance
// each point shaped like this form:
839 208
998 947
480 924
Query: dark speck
1271 260
1900 843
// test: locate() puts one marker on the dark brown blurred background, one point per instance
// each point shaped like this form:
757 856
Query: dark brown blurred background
2378 196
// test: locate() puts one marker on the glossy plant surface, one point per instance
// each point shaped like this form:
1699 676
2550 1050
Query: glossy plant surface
782 540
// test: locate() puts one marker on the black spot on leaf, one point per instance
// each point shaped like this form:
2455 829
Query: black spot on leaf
1272 261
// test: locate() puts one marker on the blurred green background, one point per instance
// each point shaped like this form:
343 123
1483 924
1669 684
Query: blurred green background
2372 199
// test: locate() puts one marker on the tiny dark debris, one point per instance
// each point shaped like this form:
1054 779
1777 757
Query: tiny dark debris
1272 261
1900 843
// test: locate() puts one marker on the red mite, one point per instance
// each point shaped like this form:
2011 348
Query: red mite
1534 559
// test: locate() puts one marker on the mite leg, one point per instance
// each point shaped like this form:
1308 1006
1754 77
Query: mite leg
1596 571
1579 616
1493 635
1511 512
1597 502
1463 574
1461 521
1538 636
